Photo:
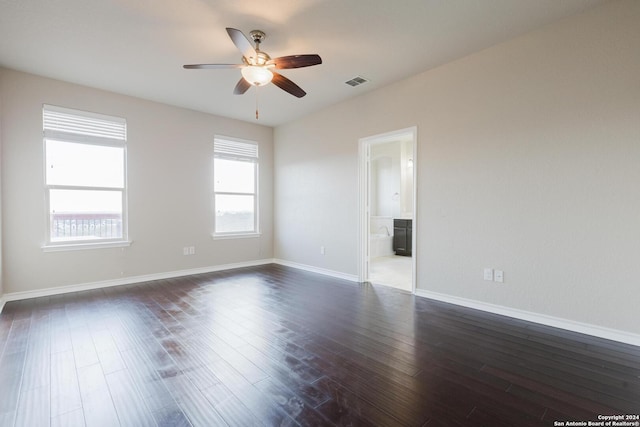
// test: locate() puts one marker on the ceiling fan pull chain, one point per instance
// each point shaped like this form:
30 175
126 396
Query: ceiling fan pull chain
257 90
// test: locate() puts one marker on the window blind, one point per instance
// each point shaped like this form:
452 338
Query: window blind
58 121
235 149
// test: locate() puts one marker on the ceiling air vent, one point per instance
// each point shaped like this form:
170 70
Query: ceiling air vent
356 81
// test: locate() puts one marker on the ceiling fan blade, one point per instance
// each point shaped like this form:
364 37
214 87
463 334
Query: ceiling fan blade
296 61
243 44
211 66
241 87
287 85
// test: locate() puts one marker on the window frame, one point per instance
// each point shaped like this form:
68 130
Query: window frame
255 160
92 140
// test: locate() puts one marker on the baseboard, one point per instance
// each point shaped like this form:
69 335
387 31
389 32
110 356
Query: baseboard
312 269
543 319
570 325
14 296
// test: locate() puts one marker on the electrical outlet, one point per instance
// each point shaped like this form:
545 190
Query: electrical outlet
321 250
192 250
185 251
488 274
498 276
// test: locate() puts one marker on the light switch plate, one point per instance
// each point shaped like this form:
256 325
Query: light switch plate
488 274
498 276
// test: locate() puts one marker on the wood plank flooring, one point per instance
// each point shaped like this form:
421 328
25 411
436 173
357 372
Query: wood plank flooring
275 346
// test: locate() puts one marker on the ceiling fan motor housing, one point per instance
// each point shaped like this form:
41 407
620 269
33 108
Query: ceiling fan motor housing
257 36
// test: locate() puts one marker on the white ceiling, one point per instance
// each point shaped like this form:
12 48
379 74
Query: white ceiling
138 47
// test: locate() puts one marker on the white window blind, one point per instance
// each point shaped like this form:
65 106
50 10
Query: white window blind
235 149
58 120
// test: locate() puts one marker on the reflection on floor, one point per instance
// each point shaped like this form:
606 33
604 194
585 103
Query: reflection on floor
392 271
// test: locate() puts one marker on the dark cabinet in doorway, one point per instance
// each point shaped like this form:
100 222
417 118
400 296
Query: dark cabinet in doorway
402 236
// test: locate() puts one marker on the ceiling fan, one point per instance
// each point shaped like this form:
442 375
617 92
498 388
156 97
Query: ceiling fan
257 66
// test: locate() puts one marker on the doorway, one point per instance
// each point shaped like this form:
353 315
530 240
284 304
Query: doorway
388 209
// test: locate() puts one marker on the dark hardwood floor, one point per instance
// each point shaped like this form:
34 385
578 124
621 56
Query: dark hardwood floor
277 346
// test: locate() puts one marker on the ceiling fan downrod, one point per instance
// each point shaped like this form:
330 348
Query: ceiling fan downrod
257 36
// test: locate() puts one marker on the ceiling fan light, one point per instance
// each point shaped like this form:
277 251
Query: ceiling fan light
257 76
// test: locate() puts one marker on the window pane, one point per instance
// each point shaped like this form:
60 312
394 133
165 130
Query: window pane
84 165
233 176
85 214
234 213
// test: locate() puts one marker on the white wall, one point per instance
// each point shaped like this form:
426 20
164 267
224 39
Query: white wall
528 162
385 180
169 163
391 179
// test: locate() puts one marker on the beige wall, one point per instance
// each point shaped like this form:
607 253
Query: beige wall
528 162
169 162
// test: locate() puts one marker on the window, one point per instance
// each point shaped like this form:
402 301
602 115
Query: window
235 187
85 177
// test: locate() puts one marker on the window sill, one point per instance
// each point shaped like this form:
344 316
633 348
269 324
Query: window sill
85 246
235 236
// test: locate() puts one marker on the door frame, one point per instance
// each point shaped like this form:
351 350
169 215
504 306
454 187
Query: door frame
364 198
